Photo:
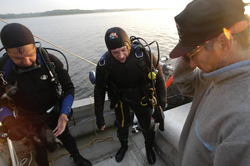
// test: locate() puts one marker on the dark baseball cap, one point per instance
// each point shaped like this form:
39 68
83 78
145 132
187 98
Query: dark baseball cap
203 20
16 35
116 37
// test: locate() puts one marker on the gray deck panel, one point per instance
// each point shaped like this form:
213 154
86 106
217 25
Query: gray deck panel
103 153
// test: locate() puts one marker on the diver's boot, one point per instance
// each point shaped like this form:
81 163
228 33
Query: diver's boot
79 160
149 136
70 144
121 152
41 156
150 155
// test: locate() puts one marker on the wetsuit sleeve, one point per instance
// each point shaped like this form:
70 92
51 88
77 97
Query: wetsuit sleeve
68 88
99 94
160 85
4 108
5 112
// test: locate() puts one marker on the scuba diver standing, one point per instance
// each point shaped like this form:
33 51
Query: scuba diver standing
125 73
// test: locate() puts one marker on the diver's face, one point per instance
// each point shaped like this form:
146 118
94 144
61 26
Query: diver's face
120 54
23 56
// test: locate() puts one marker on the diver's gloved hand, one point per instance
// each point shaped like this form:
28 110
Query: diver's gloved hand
100 122
159 117
16 131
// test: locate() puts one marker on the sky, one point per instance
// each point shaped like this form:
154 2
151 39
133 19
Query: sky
33 6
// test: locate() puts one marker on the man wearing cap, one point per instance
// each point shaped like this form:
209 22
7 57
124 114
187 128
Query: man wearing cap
23 109
214 68
119 70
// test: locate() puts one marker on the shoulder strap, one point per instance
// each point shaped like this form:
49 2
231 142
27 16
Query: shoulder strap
142 56
50 65
103 62
106 65
6 65
144 62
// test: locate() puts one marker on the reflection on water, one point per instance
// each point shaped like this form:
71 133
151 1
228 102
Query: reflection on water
83 35
247 10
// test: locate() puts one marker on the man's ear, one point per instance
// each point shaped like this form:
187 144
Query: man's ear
225 43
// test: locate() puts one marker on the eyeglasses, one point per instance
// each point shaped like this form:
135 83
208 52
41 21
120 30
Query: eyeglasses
196 50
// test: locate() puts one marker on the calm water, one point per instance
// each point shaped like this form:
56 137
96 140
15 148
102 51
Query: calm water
83 35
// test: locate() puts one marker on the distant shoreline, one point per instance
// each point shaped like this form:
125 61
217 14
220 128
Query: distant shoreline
60 12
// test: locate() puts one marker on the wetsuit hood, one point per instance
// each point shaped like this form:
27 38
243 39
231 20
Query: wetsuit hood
116 37
16 35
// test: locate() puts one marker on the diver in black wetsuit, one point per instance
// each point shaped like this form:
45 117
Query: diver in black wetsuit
119 70
23 68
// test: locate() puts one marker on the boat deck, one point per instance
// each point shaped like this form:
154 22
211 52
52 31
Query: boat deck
101 147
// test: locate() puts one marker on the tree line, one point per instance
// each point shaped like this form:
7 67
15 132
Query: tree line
60 12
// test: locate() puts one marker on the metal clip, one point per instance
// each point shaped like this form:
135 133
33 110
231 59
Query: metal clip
4 82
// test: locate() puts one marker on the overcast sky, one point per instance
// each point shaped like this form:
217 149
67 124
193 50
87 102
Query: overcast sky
32 6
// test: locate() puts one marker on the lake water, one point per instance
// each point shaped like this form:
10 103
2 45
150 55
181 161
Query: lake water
83 35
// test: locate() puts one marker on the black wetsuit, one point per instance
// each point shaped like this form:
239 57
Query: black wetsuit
35 95
127 78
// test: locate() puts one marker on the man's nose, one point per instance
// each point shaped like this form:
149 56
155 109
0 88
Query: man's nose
121 55
193 63
26 60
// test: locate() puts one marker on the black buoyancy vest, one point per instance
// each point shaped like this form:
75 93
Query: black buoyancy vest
141 55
